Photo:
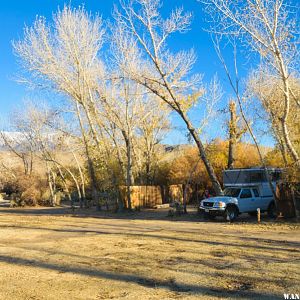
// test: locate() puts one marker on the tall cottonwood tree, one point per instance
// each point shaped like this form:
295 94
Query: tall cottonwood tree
65 56
133 120
268 91
141 50
267 28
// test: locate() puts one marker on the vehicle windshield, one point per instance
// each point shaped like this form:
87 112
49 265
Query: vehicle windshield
232 192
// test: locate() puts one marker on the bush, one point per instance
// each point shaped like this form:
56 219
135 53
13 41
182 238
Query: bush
31 196
44 200
26 190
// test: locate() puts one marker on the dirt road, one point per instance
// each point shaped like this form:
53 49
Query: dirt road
55 254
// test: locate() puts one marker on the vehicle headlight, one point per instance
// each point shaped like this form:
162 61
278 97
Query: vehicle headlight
201 203
219 204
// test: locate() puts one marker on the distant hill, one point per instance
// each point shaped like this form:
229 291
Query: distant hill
13 136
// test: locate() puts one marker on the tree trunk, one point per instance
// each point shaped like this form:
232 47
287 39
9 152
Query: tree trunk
54 188
77 185
51 183
289 144
82 200
281 143
148 171
129 175
286 90
65 185
89 160
25 164
211 173
31 162
232 135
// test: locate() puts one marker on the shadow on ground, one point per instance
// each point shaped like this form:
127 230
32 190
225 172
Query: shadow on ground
240 291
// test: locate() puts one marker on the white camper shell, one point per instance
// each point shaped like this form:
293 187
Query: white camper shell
252 177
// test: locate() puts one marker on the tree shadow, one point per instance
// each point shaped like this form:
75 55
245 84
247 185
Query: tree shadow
271 241
218 272
169 284
143 234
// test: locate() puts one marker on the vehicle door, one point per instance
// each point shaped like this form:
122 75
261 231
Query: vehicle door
246 200
262 201
256 200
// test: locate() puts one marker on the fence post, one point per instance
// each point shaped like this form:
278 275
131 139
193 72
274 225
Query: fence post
258 215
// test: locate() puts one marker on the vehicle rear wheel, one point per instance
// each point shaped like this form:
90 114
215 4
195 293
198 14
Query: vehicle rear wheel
272 212
231 213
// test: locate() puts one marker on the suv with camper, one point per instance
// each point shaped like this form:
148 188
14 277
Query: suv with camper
245 191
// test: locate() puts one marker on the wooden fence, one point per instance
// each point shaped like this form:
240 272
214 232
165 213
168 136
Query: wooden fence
142 196
150 196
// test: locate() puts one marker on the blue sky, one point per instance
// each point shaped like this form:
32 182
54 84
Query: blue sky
14 14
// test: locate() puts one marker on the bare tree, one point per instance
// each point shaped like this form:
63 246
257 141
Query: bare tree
21 147
32 122
268 91
142 54
48 144
268 28
18 141
65 56
125 111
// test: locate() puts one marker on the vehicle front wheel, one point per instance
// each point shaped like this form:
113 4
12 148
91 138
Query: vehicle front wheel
231 213
272 212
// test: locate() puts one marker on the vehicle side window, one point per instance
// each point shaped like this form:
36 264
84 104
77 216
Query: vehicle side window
255 192
246 193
